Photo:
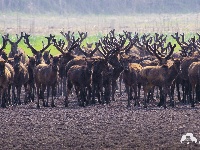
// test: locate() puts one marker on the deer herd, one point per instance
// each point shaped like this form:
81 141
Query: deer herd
94 73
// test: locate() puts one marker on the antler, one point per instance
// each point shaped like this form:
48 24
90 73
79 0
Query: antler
5 39
26 41
59 45
48 44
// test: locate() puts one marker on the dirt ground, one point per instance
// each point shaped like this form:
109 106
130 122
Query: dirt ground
112 126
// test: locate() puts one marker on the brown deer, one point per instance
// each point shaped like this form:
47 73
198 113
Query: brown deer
161 76
38 53
132 79
194 78
66 56
46 76
21 78
15 49
6 80
31 82
80 77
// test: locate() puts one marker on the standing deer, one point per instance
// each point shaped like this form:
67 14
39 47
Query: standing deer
38 53
20 78
161 76
46 76
15 49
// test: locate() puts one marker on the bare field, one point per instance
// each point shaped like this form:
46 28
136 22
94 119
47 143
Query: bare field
142 23
112 126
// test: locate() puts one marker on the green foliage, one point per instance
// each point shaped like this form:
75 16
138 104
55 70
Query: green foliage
36 42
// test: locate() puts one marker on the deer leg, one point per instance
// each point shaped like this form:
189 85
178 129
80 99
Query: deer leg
172 90
162 97
13 94
26 94
184 95
66 99
48 91
128 93
9 98
43 88
145 97
197 92
93 93
146 89
32 92
172 102
113 90
38 96
53 94
120 84
178 91
139 88
135 96
18 94
193 91
64 86
88 95
3 99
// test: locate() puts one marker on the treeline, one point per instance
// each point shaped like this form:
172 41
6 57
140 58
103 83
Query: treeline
63 7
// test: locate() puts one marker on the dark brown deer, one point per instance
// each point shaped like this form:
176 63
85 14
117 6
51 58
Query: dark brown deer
79 76
194 79
31 82
46 76
20 78
15 49
66 56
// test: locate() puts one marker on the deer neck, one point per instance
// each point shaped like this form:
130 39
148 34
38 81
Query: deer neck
172 73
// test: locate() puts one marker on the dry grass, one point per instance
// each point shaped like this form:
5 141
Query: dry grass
163 23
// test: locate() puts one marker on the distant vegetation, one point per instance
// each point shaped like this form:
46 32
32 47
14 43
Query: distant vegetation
63 7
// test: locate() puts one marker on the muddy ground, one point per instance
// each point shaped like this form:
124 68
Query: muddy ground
112 126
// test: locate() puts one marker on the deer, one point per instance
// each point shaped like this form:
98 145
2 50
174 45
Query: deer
66 56
21 77
30 65
132 79
46 76
38 53
194 78
80 77
6 79
161 76
187 52
15 49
